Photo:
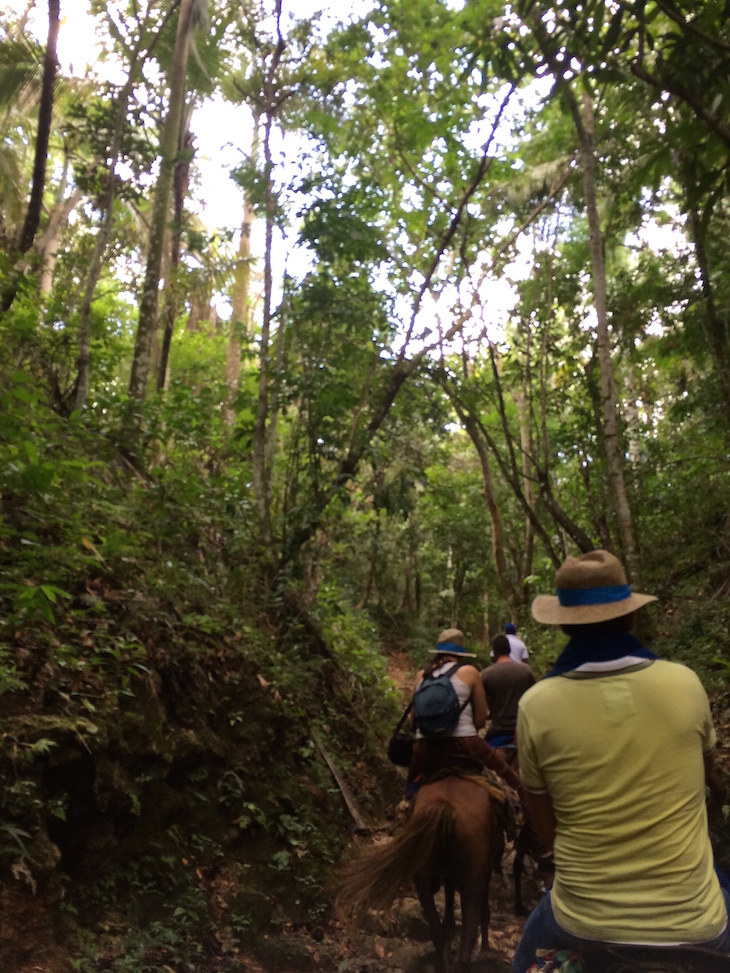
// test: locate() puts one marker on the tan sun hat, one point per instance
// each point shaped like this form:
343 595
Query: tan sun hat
451 641
590 588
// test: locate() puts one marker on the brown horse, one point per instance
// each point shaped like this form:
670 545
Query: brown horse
454 836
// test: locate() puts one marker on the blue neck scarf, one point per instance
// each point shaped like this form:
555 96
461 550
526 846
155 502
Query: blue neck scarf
600 647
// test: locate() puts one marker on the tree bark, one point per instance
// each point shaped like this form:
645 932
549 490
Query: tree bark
715 328
512 594
614 453
527 466
261 474
239 313
45 117
47 243
561 517
168 151
180 190
633 422
38 184
107 220
584 126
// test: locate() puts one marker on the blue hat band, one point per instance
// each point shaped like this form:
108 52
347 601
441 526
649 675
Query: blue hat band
575 597
450 647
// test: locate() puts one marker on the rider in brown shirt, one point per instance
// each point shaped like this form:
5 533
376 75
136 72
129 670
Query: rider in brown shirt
504 683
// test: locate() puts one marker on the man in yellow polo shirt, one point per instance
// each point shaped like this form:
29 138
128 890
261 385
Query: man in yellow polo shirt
615 751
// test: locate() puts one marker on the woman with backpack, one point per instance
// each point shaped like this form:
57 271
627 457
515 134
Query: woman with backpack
449 707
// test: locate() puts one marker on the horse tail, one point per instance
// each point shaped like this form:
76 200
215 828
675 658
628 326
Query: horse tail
374 879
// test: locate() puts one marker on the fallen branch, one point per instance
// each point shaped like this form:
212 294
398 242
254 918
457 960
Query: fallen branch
360 826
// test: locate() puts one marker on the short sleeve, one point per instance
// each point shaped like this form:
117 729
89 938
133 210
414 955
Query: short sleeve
530 772
709 737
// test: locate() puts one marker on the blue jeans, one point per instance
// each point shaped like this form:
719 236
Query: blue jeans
542 932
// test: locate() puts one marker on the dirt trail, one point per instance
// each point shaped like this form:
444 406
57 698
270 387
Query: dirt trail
398 940
395 941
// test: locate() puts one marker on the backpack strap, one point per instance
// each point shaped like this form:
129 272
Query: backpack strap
403 718
449 673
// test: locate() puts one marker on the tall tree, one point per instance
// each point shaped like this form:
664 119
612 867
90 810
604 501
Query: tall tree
136 60
38 184
191 14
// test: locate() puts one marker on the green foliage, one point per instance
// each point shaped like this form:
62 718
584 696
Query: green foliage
187 625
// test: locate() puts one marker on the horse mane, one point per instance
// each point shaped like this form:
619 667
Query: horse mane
374 879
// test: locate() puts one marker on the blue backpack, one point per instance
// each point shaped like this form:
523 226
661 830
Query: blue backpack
436 706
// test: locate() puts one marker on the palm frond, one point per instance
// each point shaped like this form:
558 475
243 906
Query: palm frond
21 72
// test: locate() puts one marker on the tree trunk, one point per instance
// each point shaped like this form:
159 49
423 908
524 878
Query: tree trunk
107 220
47 243
168 151
560 516
372 564
527 475
614 453
181 180
239 302
45 117
715 328
458 588
584 126
261 472
511 594
633 421
599 520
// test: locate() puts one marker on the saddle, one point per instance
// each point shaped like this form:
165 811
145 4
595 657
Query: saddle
614 958
505 799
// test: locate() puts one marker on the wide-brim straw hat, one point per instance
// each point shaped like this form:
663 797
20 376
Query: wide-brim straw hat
451 642
590 588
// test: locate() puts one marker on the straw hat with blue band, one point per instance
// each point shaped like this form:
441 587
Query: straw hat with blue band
590 588
451 642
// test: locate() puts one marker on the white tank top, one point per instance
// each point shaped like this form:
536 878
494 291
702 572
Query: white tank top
465 727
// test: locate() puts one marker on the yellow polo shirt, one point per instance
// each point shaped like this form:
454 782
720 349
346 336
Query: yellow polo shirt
620 755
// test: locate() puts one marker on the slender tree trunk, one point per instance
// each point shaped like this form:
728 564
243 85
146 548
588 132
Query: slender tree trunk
614 453
168 145
716 331
485 619
560 516
239 314
45 116
198 312
107 221
599 520
240 301
511 594
47 243
527 476
372 564
584 126
633 423
181 179
261 474
458 588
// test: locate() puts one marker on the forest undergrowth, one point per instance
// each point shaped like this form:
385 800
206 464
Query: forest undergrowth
167 803
240 495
